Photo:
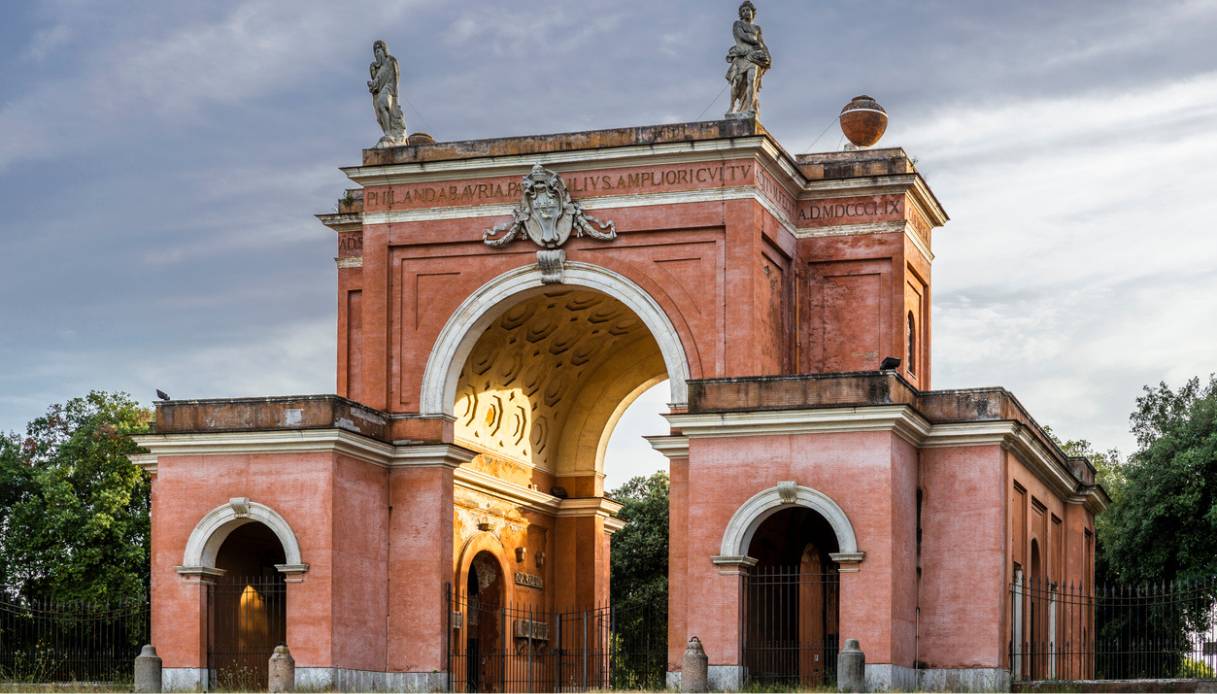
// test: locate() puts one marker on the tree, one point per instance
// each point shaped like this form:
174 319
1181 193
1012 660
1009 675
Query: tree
639 582
640 549
74 523
1163 524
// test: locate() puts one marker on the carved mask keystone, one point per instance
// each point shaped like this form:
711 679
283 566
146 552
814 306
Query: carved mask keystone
239 506
788 492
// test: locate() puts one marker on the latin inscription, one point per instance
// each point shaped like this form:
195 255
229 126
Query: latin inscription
507 190
777 194
529 580
350 244
851 210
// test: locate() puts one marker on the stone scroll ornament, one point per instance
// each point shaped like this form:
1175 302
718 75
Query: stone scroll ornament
548 216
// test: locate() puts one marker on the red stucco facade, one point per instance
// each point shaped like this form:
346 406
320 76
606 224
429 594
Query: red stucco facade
475 401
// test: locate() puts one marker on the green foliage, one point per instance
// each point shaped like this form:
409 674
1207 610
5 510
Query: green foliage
640 549
1163 524
1196 669
639 582
73 509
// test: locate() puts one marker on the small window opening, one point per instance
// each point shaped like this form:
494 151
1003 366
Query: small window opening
912 362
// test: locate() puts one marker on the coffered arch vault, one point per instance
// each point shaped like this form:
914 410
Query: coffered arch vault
541 373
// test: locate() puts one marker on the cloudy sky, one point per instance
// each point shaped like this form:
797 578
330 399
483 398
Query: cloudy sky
160 164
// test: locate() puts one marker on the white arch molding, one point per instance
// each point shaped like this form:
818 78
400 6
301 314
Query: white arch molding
205 541
481 308
749 516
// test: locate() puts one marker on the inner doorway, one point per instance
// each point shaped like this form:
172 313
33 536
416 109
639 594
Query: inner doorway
246 609
484 646
791 609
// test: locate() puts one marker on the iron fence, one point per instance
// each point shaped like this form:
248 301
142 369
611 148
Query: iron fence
790 626
526 648
246 619
1161 631
47 641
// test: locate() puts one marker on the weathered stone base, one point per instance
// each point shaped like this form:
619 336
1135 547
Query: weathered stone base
183 679
882 677
976 679
1121 686
348 680
726 678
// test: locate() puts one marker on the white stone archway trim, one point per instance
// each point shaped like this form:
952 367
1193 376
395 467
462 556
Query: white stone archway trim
749 516
205 540
478 311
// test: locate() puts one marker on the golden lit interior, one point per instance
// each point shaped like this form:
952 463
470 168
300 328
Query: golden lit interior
548 379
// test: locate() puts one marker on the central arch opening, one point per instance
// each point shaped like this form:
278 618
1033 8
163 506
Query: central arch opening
548 376
545 384
792 601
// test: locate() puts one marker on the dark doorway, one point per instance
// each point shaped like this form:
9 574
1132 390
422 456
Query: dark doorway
484 646
1039 645
791 601
246 609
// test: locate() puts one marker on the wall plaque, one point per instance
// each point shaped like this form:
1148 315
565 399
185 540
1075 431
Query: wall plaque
530 580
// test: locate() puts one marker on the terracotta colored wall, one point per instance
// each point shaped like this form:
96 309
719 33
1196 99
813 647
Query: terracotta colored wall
361 549
420 565
859 471
1074 524
963 588
904 551
853 304
678 560
299 487
1026 526
723 272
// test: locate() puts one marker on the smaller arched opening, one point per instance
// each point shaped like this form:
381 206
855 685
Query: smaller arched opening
246 552
246 608
792 600
912 341
485 594
795 539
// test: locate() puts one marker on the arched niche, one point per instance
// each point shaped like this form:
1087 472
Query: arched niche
209 534
484 542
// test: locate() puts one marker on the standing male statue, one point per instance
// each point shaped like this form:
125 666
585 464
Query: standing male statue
383 86
749 60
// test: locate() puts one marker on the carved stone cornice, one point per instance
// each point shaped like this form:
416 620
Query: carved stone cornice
299 441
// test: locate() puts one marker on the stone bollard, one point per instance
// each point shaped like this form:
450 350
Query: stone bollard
694 668
282 670
851 668
147 670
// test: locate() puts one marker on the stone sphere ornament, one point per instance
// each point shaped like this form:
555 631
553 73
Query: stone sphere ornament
863 121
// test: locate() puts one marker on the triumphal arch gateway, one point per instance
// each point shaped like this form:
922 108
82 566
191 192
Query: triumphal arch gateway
500 303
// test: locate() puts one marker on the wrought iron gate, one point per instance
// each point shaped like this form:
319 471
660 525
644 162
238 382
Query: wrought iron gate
246 619
528 649
789 626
